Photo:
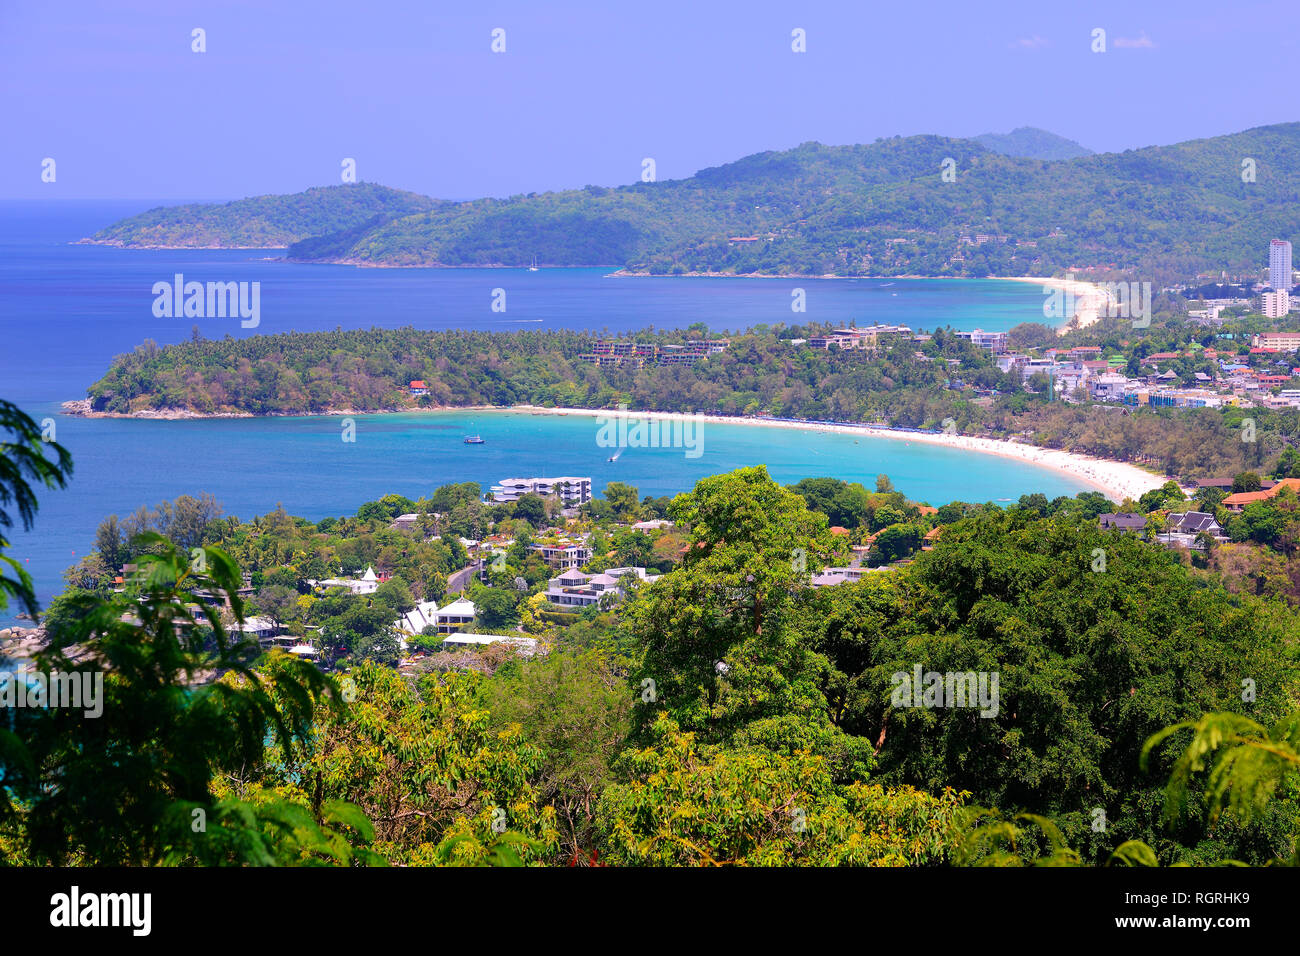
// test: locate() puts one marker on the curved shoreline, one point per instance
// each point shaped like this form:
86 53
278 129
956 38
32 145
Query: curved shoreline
1117 479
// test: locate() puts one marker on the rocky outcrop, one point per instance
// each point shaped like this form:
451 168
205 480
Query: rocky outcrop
20 642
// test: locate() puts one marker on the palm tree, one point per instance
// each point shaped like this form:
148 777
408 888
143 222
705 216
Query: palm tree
23 464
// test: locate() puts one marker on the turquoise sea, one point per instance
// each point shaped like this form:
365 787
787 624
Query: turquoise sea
66 309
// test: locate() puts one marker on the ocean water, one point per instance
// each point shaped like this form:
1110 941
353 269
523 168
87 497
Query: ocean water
66 310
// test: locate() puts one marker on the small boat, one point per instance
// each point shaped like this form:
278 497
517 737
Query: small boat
474 440
533 267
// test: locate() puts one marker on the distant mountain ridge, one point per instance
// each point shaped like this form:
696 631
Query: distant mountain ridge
918 205
1030 142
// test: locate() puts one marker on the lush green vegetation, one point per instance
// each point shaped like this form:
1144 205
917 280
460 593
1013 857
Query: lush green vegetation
725 714
878 209
916 385
264 222
368 370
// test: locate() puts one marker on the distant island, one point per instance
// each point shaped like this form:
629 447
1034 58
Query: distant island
918 205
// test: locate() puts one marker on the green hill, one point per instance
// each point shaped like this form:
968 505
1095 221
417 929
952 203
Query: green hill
878 209
263 222
1032 143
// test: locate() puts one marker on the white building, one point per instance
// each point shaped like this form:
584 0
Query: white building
1108 386
993 341
262 628
417 619
445 620
454 616
1276 304
563 556
368 583
1279 265
573 588
571 491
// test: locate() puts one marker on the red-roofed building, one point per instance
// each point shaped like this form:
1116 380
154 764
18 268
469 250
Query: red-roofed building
418 387
1155 357
1242 498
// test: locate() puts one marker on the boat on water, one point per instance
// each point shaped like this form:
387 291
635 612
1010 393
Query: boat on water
533 267
474 440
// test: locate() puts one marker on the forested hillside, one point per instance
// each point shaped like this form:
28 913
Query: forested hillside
263 222
879 209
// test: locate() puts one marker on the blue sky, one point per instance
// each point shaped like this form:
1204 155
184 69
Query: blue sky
585 91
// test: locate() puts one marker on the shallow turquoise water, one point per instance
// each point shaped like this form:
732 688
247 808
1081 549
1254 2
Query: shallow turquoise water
253 464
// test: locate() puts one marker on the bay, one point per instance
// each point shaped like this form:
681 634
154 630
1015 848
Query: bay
66 310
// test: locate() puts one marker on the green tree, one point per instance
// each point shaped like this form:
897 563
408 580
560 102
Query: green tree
1091 658
574 708
23 463
532 509
687 806
495 610
718 640
1246 481
125 785
623 501
421 760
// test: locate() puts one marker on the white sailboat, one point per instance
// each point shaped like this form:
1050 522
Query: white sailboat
533 267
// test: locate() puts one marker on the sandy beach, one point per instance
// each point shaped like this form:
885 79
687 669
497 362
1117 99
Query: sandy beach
1116 479
1090 301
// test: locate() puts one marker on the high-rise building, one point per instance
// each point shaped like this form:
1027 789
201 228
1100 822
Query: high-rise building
1279 265
1276 304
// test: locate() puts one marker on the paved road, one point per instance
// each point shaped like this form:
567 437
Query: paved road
457 581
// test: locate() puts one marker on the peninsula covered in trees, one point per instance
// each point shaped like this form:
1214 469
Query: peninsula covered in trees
917 205
763 372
